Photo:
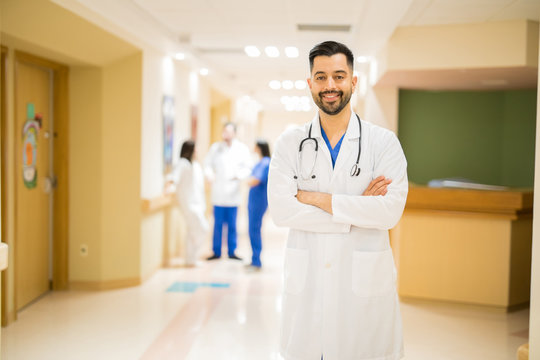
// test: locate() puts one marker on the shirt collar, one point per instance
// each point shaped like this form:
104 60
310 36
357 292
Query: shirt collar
352 128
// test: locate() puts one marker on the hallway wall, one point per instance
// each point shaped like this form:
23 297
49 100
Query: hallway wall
164 76
114 114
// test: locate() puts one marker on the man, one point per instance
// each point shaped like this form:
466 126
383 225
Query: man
339 184
227 163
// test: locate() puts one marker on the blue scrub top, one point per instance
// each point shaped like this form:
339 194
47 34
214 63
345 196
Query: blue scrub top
335 151
258 198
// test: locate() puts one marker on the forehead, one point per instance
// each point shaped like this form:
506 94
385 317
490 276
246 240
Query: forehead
330 64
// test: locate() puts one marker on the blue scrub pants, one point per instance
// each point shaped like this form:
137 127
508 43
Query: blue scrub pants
255 216
224 215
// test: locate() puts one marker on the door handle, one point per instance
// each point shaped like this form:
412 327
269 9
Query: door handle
50 183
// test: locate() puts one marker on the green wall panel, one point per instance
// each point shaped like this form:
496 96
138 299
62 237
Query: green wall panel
519 130
487 137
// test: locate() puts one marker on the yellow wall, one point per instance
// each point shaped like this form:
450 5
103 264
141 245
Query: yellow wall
484 45
220 114
121 160
49 30
105 112
105 101
85 155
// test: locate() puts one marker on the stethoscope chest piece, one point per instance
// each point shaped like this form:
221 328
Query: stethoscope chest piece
355 170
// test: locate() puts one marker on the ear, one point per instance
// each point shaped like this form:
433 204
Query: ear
354 82
309 82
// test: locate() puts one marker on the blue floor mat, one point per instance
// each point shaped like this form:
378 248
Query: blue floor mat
189 287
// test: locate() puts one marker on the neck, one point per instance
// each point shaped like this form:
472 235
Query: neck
335 124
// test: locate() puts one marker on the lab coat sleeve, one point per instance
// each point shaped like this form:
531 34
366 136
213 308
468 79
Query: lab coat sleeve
208 168
284 208
378 212
245 165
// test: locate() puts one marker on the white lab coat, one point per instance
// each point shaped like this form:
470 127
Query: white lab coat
189 181
226 166
339 296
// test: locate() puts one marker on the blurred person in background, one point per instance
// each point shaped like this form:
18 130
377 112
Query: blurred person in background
258 201
227 163
189 179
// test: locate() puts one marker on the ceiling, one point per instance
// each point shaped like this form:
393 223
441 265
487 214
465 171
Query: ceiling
213 33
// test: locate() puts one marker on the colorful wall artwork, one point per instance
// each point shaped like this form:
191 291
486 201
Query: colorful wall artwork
167 110
30 134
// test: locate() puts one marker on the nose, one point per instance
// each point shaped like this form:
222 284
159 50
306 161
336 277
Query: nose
331 84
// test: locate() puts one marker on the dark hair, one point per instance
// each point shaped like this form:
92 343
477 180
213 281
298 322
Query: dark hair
229 123
264 147
329 48
187 149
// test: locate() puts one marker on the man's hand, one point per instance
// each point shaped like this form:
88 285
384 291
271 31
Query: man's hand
377 186
318 199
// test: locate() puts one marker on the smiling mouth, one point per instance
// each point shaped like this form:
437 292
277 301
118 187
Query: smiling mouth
331 96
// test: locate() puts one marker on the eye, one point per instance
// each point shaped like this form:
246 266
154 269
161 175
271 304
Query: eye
319 78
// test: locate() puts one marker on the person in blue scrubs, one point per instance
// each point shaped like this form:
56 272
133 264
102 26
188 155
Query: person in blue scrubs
258 202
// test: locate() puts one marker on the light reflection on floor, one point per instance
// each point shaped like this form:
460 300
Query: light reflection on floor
236 322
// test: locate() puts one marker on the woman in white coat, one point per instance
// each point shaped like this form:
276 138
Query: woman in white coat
340 299
189 180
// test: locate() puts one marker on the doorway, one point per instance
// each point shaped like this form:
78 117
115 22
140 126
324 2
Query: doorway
40 178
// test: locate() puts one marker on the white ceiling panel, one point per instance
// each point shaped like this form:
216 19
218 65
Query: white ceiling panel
215 32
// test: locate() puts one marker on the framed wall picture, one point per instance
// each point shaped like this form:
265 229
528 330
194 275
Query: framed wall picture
167 112
194 120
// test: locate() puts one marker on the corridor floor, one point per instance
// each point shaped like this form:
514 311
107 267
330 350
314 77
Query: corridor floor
217 311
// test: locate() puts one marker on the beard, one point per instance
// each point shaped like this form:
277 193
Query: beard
335 107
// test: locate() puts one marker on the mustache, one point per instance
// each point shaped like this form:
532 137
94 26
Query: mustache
322 93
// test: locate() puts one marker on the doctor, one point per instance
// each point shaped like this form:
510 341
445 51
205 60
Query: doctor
227 163
339 183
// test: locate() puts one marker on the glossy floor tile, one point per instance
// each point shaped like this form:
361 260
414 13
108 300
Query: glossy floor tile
219 311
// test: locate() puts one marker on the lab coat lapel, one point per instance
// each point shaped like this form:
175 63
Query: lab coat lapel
349 149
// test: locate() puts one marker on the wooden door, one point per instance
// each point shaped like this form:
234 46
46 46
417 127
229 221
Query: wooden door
33 124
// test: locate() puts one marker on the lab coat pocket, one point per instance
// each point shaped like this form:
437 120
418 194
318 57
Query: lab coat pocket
296 264
372 273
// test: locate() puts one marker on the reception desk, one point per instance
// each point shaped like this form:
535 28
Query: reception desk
466 246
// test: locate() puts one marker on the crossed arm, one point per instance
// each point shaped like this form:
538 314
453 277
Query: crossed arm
378 186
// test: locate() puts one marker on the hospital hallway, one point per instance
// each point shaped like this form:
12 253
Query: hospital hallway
218 311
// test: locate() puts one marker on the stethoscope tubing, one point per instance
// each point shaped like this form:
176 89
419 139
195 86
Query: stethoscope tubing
355 170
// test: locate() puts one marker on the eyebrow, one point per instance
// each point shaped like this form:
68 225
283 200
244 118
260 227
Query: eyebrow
335 72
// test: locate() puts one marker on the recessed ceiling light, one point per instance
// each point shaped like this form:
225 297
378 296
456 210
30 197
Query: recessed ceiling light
291 51
179 56
287 84
362 59
252 51
271 51
203 71
300 84
275 84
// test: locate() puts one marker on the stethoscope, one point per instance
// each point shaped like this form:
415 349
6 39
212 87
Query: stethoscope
355 170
